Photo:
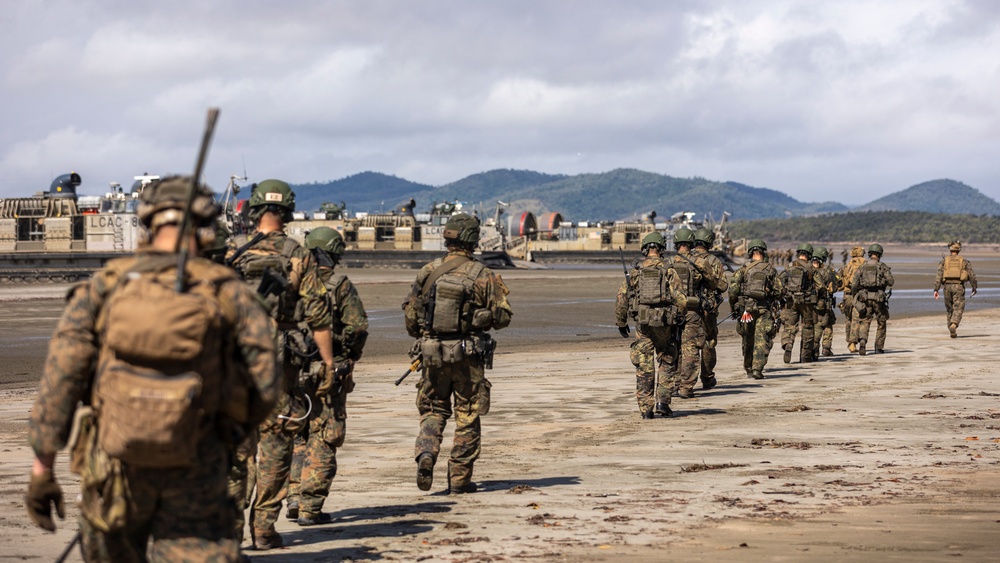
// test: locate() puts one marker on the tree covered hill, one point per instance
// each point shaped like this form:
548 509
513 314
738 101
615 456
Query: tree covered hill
367 191
936 196
883 226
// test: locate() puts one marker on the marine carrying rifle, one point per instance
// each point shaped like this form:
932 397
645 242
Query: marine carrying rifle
413 367
181 247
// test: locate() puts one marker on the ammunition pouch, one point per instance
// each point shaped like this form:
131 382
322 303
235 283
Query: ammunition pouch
104 494
657 317
436 352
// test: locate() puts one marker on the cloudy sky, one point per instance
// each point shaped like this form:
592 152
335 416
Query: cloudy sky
845 100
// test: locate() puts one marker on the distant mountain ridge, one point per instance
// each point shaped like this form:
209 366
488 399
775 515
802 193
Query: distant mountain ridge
620 194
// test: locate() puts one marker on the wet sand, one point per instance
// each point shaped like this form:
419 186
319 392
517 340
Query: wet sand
895 456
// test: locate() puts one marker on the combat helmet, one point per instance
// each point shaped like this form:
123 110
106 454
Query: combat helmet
704 237
820 254
215 250
756 244
683 235
463 228
955 246
325 239
272 195
163 201
654 238
875 249
805 248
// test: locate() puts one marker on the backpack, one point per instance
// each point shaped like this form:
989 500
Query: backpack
954 269
692 281
252 263
654 304
160 376
869 276
798 280
755 283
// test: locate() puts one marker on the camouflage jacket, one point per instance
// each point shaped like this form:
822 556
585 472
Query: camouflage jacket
72 362
305 284
884 277
826 280
966 266
624 301
847 273
350 322
715 281
489 292
773 285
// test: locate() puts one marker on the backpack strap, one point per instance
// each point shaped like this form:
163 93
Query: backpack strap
444 268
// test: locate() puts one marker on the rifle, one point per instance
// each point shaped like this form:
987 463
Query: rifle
413 367
181 247
62 556
628 277
272 283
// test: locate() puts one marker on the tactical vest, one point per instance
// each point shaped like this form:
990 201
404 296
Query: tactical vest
755 282
164 369
953 269
449 304
654 304
251 265
869 277
692 282
799 280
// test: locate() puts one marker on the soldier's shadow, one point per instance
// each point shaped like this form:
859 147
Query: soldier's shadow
723 390
695 412
499 485
349 515
356 553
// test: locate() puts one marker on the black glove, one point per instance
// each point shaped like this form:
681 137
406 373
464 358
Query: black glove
624 331
42 492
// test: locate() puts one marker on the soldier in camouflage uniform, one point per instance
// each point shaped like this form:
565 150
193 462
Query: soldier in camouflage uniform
652 297
314 463
698 282
827 283
798 280
452 305
953 272
703 241
754 295
286 277
176 508
847 303
871 287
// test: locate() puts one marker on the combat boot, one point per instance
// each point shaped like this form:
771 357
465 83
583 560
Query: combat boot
314 519
685 394
646 414
709 382
267 539
757 374
827 352
662 409
787 358
852 347
425 471
467 488
953 329
861 347
292 510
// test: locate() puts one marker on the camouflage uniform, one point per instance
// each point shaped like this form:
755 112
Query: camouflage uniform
695 333
827 283
186 510
464 379
316 454
758 334
662 344
277 433
800 307
954 292
847 303
871 301
713 298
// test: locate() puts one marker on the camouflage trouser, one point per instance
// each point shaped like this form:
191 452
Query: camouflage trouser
187 512
790 318
848 310
708 356
655 354
954 302
758 337
872 310
295 471
692 341
825 319
318 465
465 381
274 459
242 477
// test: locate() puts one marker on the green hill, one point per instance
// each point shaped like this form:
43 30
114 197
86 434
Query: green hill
883 226
936 196
367 191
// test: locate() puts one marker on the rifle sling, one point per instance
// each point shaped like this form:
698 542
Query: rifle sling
447 266
241 250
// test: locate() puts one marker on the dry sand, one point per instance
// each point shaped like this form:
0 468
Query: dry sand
892 457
